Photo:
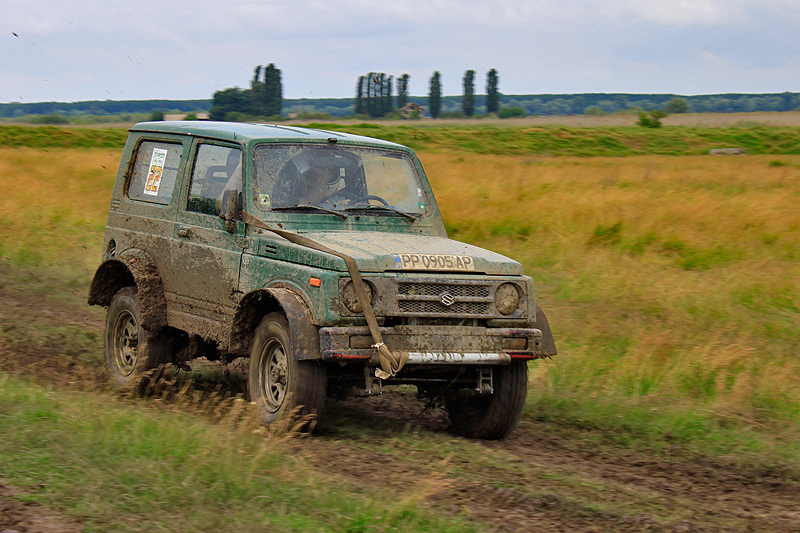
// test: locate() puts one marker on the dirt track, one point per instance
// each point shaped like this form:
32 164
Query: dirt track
28 517
547 478
543 478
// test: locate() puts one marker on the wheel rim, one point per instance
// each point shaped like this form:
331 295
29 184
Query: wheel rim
273 375
126 343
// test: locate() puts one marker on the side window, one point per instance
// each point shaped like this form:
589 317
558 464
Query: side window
216 169
154 172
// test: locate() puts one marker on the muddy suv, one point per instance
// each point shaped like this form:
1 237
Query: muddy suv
321 257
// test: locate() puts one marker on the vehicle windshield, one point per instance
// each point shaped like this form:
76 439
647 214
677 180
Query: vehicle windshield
338 178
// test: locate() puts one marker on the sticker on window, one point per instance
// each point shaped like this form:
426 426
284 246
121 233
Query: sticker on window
157 161
433 262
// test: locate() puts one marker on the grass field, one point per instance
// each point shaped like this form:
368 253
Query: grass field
665 278
529 137
671 284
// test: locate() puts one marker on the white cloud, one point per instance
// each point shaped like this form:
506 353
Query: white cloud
684 12
179 49
709 57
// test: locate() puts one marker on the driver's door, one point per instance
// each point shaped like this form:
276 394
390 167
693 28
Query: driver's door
206 257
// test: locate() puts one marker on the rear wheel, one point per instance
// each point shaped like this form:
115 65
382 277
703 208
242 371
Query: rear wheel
130 349
496 415
282 387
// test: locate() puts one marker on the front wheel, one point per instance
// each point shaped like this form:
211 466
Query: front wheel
130 349
282 387
496 415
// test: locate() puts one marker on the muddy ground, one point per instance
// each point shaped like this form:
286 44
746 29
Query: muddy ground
544 478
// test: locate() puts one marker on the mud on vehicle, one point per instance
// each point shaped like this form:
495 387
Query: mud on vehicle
320 256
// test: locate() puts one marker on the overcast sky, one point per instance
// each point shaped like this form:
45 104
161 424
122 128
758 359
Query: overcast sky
72 50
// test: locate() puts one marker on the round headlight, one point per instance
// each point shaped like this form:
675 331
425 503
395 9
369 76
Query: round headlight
350 299
506 298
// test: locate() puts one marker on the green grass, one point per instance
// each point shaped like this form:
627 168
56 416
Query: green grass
62 137
671 283
640 425
486 139
116 466
582 142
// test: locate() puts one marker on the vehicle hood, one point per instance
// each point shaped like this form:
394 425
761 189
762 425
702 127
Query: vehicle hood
380 252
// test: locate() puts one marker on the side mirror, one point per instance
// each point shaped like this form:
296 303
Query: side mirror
229 210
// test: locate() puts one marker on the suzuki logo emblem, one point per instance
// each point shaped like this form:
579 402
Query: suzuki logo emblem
447 299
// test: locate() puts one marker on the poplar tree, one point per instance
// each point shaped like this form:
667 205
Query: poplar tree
402 90
435 95
273 92
468 102
492 95
374 94
382 104
360 96
388 100
256 93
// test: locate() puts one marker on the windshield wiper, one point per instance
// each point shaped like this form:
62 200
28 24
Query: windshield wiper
314 207
384 208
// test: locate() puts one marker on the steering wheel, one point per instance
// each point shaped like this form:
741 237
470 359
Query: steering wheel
355 199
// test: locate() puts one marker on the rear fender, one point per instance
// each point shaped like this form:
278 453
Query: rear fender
132 267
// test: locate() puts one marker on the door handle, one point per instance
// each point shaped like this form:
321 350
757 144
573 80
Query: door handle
185 232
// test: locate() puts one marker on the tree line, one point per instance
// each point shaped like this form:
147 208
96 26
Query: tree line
374 94
264 98
383 95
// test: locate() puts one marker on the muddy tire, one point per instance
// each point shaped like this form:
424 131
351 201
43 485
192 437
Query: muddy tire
496 415
283 388
130 349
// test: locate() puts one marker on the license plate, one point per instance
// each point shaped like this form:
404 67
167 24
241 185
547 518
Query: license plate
433 262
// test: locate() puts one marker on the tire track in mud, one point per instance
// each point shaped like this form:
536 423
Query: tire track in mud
684 493
549 479
28 517
542 478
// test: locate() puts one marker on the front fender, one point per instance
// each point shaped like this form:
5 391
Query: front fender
305 335
256 305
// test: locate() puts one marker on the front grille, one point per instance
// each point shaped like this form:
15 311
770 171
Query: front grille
436 289
467 299
437 308
429 298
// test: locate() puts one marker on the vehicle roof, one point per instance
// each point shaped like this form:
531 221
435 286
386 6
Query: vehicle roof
248 133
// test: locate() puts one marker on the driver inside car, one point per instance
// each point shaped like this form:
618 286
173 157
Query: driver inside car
318 184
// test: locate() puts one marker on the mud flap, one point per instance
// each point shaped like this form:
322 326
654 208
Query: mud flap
548 343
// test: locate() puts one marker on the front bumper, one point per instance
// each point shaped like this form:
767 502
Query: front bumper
434 345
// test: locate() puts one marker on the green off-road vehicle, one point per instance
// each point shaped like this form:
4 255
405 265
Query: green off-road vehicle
322 257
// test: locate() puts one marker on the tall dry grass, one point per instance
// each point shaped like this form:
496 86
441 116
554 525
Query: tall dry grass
672 282
54 205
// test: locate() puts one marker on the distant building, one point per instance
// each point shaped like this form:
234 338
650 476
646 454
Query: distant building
182 116
410 108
